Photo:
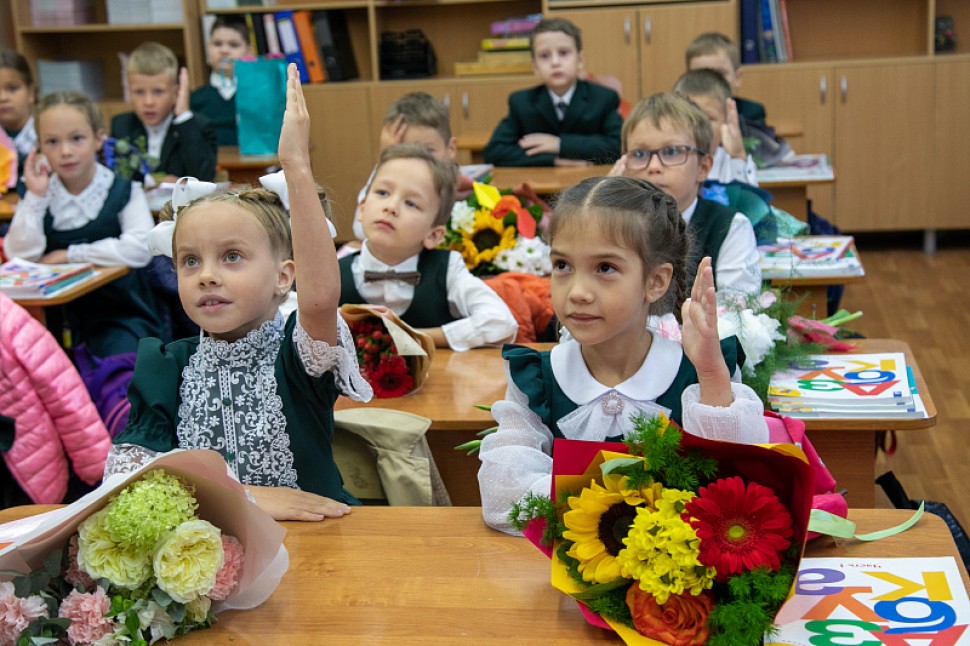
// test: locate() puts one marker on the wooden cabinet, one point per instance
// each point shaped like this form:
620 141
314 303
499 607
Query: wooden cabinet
951 148
643 46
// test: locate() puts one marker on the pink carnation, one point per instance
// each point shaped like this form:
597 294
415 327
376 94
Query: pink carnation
75 575
16 613
227 577
86 611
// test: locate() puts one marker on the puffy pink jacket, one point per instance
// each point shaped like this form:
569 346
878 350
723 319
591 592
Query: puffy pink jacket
55 418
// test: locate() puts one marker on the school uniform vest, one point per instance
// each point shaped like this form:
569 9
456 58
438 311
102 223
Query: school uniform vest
220 112
111 319
531 370
429 307
708 228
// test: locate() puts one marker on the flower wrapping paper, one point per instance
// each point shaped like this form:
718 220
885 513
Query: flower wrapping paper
781 467
410 343
222 501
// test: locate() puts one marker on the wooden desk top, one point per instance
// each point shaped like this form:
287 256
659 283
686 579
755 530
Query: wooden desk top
459 380
546 180
437 575
102 276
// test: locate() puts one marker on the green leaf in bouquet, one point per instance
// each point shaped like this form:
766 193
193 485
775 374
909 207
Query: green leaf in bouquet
54 563
618 464
132 624
510 219
161 597
599 589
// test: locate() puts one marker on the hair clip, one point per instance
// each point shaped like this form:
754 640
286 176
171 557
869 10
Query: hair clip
276 182
186 190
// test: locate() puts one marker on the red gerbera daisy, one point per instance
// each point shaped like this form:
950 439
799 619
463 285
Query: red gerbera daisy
740 527
391 378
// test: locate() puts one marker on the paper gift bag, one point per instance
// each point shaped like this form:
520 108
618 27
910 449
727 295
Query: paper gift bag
260 103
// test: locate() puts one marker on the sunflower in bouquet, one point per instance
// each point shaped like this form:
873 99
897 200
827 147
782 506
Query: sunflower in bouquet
673 539
495 232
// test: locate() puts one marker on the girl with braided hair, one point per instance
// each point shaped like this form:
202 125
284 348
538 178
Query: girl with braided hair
620 252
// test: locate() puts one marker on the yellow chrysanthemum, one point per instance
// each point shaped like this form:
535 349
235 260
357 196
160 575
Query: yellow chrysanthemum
488 237
599 520
661 550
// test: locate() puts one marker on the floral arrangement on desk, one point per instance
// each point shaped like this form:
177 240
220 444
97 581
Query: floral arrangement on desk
143 567
771 335
128 158
495 232
673 539
393 357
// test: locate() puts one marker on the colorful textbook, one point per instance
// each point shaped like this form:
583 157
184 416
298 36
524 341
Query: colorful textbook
875 602
810 257
846 386
23 279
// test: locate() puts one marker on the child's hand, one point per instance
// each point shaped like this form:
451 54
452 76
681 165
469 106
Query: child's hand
56 257
283 503
619 168
182 99
37 173
538 143
731 137
393 133
701 343
294 151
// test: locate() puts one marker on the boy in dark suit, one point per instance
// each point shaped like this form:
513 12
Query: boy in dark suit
183 143
564 121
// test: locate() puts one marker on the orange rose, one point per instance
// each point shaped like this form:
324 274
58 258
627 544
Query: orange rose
505 204
682 621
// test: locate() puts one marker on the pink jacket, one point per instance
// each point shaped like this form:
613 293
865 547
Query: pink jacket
55 418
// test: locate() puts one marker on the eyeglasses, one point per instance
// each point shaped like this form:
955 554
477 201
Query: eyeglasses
668 155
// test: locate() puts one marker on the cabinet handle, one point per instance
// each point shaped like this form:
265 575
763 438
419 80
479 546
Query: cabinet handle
447 100
844 88
464 104
626 30
823 89
647 30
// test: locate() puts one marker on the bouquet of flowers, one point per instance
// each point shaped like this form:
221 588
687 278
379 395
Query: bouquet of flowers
128 158
394 358
674 539
149 555
495 232
8 163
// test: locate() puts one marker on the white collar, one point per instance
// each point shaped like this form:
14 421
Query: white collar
367 261
89 200
652 380
162 128
567 96
689 211
225 86
26 138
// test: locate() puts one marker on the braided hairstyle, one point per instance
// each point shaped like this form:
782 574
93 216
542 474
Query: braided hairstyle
634 213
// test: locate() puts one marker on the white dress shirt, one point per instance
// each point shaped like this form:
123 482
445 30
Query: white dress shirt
737 263
26 238
566 98
156 134
484 318
517 459
727 169
225 86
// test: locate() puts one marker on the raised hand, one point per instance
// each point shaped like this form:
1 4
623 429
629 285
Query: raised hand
731 137
182 99
283 503
294 150
701 343
37 173
394 132
619 168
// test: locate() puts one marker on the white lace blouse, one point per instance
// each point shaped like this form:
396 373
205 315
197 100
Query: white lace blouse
517 458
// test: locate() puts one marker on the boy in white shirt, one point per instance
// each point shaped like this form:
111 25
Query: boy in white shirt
403 217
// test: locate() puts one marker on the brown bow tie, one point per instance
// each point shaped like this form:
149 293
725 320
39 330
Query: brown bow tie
410 277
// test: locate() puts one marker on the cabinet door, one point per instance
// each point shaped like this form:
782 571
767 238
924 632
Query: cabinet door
884 146
610 45
341 133
951 160
665 33
478 106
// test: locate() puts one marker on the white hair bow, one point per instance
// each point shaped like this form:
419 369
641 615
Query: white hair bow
276 182
186 189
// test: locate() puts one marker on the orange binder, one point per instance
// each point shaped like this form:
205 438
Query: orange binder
308 45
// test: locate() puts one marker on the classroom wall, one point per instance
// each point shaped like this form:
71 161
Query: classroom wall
6 25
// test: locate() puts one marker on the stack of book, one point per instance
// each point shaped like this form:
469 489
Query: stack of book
847 386
506 51
765 35
799 168
86 77
126 12
810 257
60 13
22 279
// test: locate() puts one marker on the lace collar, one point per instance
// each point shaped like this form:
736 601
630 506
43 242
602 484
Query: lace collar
652 379
89 200
370 262
263 341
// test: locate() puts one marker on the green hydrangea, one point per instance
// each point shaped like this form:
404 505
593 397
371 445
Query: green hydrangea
146 510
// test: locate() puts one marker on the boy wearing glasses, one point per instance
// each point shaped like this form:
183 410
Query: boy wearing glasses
667 140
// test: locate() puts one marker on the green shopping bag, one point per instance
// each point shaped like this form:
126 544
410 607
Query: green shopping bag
260 103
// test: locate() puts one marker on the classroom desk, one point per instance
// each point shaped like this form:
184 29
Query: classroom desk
545 180
813 290
789 186
244 169
102 276
459 380
438 575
